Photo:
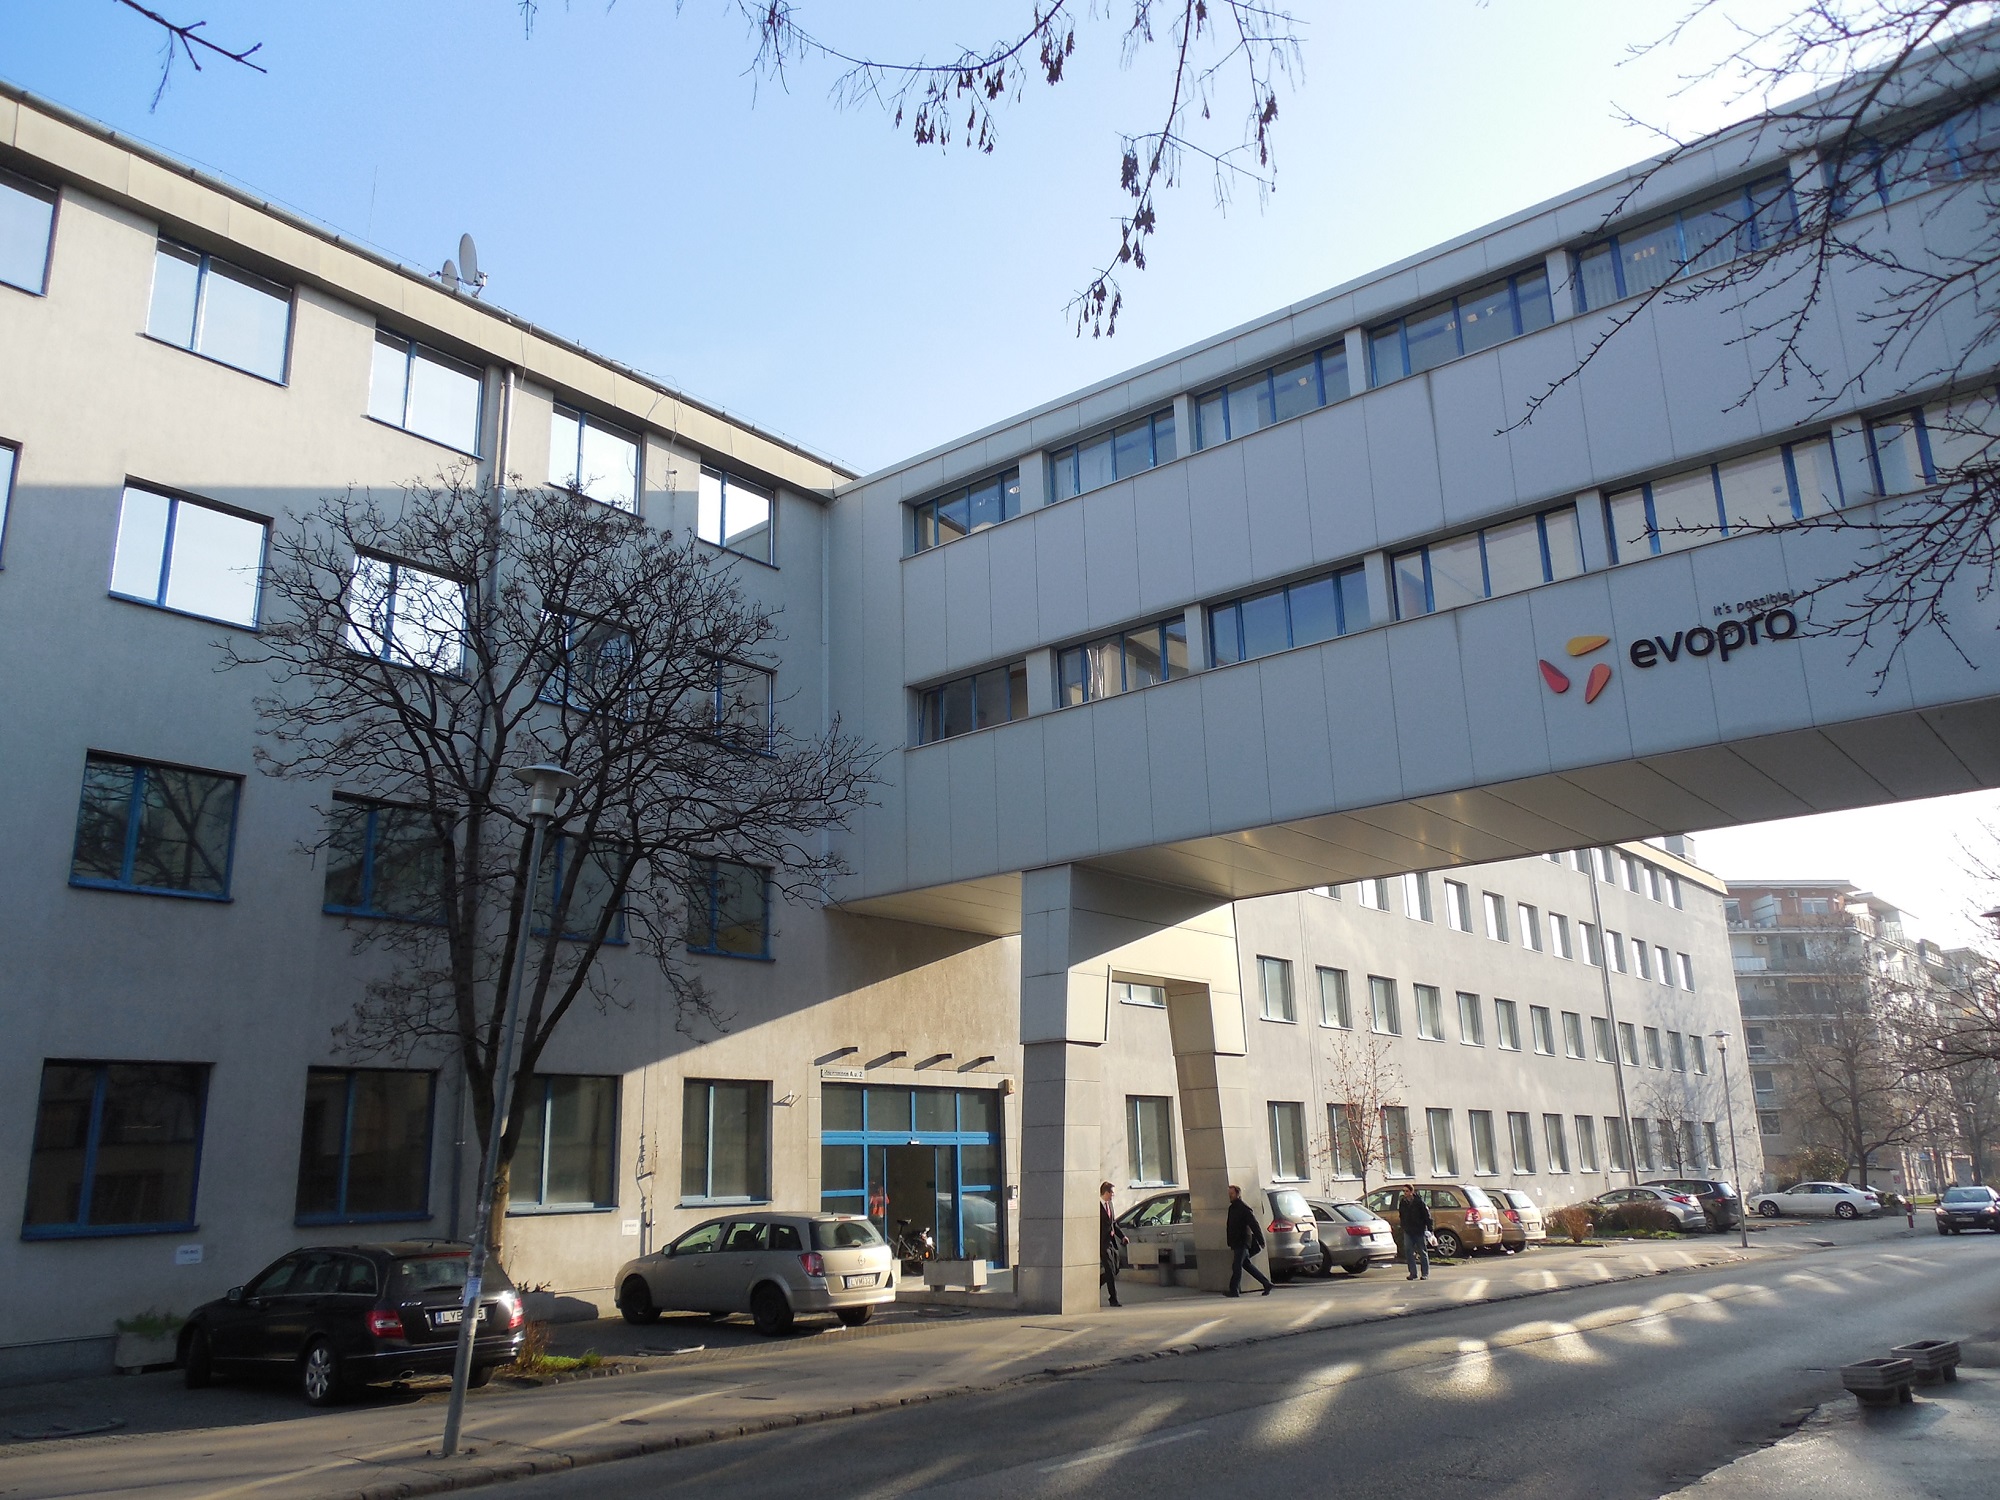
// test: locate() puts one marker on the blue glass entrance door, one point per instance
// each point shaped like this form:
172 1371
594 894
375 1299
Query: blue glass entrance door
926 1155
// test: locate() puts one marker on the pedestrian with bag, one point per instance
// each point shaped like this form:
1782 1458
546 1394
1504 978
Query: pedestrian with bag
1245 1240
1414 1220
1111 1241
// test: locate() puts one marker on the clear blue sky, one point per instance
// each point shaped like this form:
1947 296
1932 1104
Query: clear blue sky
631 186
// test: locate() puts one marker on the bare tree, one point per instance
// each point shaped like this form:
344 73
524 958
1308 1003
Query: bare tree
1851 1040
421 652
1683 1103
1366 1079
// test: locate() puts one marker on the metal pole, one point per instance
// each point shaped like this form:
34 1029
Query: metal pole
468 1323
1735 1166
1611 1020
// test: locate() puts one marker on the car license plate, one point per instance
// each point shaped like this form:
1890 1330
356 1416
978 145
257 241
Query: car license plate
447 1316
868 1279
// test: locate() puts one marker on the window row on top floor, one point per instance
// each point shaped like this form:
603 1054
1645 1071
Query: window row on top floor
1489 562
979 700
1252 402
27 224
1295 614
1123 662
1963 144
946 518
1118 454
1465 324
1693 239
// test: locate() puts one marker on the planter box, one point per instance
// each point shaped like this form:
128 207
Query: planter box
967 1274
1932 1359
144 1351
1879 1382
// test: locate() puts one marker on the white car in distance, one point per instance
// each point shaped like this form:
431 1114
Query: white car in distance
1835 1200
770 1265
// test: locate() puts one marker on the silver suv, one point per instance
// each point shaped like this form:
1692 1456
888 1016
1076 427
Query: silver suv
770 1265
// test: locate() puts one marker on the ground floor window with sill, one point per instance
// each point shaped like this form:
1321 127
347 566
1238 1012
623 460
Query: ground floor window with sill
567 1157
117 1146
365 1150
726 1140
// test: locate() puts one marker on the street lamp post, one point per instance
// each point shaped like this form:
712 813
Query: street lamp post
545 783
1735 1168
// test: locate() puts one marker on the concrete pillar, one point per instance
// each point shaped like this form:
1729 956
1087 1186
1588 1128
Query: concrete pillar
1590 527
1034 480
1195 619
1357 361
1183 425
1562 285
1381 592
1042 684
1218 1116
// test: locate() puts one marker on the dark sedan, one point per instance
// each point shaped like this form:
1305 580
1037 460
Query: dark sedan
339 1316
1963 1208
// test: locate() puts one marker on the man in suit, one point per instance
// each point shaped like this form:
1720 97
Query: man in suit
1110 1239
1245 1240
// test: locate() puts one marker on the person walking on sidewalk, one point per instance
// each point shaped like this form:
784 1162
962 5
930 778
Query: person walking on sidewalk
1111 1241
1245 1240
1414 1219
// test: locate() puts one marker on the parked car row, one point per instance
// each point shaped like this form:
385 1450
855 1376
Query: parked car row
1302 1237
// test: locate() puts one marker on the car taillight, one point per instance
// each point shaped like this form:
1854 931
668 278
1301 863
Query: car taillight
1360 1229
385 1324
515 1312
1282 1226
1514 1215
814 1263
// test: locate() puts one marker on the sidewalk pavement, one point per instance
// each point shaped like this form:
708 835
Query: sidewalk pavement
384 1445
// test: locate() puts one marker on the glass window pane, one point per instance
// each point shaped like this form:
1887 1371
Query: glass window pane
889 1110
1315 612
325 1127
429 620
955 708
142 545
245 321
582 1122
979 1114
1010 494
1385 354
1896 456
954 515
1625 514
1684 511
1456 574
185 820
407 870
840 1109
936 1110
1249 406
346 856
1565 543
741 909
1352 587
708 508
1531 300
146 1144
1961 436
1132 448
565 447
1773 213
388 1142
1597 276
1486 316
1333 372
840 1170
609 468
1297 388
746 520
1514 556
1073 668
1716 232
1649 255
1755 491
990 698
1210 424
103 822
26 217
1264 625
388 378
1818 476
1062 475
1431 335
444 402
1175 634
738 1132
1143 665
1412 594
1224 627
56 1177
1093 465
1164 451
215 564
176 286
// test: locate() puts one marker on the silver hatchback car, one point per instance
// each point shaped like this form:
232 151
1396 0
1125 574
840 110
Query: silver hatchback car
770 1265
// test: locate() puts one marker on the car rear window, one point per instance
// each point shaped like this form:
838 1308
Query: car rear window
1478 1197
844 1234
1354 1213
428 1273
1288 1203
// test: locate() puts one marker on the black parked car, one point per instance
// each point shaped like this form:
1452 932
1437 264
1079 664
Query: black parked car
338 1316
1717 1198
1964 1208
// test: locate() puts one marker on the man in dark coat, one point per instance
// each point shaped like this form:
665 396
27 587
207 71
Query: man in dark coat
1414 1220
1109 1238
1245 1240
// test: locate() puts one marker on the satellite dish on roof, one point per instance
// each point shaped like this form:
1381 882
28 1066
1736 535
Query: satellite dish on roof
468 263
449 276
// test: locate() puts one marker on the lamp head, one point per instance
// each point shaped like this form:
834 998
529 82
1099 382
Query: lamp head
545 783
1721 1039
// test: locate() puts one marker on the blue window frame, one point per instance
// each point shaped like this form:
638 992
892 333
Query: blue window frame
1118 454
743 699
729 910
117 1149
383 860
725 1140
592 872
10 458
157 830
1960 146
593 670
365 1146
951 1137
1298 614
1484 564
999 695
27 227
964 511
191 558
737 516
1123 662
211 308
1285 390
407 615
1488 315
1705 234
567 1158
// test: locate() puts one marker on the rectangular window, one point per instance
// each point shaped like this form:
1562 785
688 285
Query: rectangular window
1698 1052
1586 1144
1628 1043
1874 174
743 699
962 512
1531 925
1120 663
27 221
1149 1139
1485 1154
1384 1015
1687 973
1703 235
1769 1122
1663 966
422 391
1487 564
1417 897
406 615
1475 320
1654 1058
383 861
9 457
117 1147
1373 894
1559 935
192 558
163 830
1629 868
365 1152
1471 1020
725 1140
1430 1012
1640 961
1457 906
1521 1135
592 458
211 308
1256 401
1507 1025
592 668
729 910
1299 614
1288 1142
582 884
1128 992
1542 1024
1600 1038
567 1157
1572 1034
1676 1052
1343 1129
1714 1144
1593 945
1334 1009
1557 1141
1496 917
1274 978
1615 1145
1642 1143
1395 1141
1119 454
1444 1142
1614 943
737 516
999 695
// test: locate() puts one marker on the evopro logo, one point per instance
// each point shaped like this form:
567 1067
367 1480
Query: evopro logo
1723 641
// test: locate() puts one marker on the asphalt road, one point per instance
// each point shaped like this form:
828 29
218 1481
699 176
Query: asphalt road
1629 1390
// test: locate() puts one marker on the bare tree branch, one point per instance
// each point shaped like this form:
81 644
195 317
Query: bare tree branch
187 40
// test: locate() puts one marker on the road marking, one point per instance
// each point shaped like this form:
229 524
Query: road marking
1119 1450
